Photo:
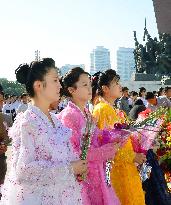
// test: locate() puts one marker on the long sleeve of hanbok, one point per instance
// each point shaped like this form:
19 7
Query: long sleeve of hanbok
32 168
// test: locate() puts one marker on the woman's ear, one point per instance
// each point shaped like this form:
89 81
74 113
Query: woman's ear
37 85
105 89
71 90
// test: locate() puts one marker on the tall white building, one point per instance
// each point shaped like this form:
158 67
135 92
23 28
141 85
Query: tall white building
64 69
100 59
125 63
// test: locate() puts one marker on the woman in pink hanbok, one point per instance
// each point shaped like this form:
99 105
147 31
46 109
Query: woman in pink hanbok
75 116
43 164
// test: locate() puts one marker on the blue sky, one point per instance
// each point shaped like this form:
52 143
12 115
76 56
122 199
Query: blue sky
67 30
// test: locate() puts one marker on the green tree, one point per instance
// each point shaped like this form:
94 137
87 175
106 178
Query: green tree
12 87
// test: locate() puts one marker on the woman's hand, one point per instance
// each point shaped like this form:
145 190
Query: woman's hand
139 158
79 167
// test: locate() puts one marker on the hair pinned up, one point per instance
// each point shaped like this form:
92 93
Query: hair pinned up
22 73
103 79
37 70
94 80
70 78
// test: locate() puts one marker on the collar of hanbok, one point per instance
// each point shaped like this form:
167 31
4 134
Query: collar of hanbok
77 109
37 112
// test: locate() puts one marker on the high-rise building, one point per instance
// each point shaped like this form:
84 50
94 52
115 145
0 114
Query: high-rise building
64 69
125 63
100 59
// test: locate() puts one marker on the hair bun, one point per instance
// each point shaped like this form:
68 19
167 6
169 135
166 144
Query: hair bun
22 73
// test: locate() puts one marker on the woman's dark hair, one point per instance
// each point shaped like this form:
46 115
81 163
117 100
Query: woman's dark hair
139 102
142 89
23 95
167 89
159 92
70 79
28 74
99 79
134 93
149 95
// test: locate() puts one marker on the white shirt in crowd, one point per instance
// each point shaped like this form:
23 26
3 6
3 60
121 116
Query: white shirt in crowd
22 107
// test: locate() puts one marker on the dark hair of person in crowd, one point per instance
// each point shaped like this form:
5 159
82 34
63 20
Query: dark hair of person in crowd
141 90
149 95
167 88
160 92
28 74
100 79
124 89
134 93
2 93
139 102
70 79
137 108
155 92
1 88
23 95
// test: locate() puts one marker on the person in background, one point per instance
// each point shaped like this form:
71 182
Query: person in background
8 107
168 92
155 93
24 103
15 102
137 108
142 94
123 103
6 117
133 97
5 123
154 102
161 92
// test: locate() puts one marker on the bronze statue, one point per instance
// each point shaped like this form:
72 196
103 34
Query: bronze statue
155 56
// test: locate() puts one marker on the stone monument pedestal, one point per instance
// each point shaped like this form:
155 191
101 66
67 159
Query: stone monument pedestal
146 77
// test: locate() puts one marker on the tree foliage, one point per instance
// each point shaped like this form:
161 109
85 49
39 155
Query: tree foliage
12 87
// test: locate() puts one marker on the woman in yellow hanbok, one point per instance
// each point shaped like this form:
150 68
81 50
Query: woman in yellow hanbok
124 175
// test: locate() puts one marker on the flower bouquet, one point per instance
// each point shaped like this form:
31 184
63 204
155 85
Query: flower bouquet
154 129
116 135
164 147
85 142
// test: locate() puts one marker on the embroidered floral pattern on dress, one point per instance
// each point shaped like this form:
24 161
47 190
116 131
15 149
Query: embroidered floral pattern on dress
41 154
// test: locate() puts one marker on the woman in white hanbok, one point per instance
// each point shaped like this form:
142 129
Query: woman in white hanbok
43 164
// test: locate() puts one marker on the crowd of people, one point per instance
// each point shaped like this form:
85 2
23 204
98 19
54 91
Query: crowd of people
58 152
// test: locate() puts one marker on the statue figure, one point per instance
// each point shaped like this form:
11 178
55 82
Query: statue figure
155 56
136 53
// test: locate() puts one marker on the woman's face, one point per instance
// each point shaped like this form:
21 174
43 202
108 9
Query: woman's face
82 90
114 90
51 86
143 93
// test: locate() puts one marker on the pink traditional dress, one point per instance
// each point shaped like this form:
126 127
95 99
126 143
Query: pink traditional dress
95 190
40 173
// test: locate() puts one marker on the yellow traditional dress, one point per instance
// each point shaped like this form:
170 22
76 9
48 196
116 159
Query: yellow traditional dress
124 175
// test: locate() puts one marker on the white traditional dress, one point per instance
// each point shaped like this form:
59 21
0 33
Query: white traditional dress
40 173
